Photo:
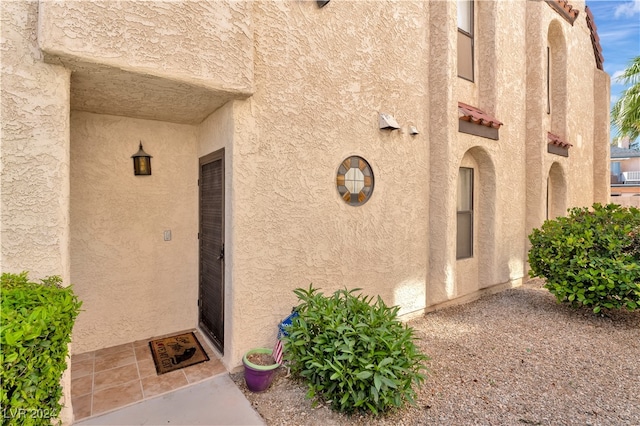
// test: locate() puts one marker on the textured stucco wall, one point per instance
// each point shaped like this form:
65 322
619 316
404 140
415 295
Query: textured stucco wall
498 89
134 285
165 60
319 79
322 76
290 226
34 158
584 173
35 151
601 129
203 42
443 129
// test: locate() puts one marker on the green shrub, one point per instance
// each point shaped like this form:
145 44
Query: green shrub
591 257
36 322
355 355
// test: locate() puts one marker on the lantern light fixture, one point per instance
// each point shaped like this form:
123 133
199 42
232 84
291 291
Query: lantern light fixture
141 162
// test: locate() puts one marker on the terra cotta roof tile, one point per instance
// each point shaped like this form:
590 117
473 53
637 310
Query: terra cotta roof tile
476 116
565 9
595 40
555 140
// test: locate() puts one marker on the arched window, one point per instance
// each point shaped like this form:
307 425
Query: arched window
556 192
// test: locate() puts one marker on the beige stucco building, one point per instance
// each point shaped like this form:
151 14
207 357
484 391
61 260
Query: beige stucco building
502 120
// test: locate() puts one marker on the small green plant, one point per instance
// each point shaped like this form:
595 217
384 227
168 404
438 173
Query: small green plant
591 257
354 354
35 326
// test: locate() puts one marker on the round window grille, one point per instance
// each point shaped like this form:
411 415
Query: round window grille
355 180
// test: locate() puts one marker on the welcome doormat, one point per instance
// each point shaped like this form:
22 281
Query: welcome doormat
175 352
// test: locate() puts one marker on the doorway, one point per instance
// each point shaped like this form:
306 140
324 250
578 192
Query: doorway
211 239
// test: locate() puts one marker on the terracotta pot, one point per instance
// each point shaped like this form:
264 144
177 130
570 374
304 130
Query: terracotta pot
258 377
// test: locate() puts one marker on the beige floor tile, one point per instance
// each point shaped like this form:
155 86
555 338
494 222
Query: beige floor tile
81 406
115 376
139 343
116 396
156 385
118 359
204 370
82 357
146 368
127 347
81 386
143 353
81 368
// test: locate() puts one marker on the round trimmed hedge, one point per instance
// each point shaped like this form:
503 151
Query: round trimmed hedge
590 257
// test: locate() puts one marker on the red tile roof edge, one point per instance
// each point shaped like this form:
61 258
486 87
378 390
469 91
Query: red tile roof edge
555 140
595 39
476 116
565 9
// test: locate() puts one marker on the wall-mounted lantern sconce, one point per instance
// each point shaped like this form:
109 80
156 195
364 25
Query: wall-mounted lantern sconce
141 162
387 122
322 3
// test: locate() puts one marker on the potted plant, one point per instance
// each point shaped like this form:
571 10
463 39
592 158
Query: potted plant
259 368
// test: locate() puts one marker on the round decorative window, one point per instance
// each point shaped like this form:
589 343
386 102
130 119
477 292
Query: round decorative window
355 180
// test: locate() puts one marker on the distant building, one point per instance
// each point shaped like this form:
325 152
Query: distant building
625 174
406 148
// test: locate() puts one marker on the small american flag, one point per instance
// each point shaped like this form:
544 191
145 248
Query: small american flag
282 331
277 351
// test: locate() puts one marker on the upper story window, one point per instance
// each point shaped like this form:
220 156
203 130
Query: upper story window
465 39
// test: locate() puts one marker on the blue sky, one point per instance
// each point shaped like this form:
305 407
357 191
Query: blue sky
618 25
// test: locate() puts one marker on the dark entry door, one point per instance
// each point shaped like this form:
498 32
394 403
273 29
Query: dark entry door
211 235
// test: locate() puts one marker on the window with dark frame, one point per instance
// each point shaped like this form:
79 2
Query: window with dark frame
548 200
464 231
465 39
548 81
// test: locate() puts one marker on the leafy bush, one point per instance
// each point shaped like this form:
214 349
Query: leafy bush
353 354
36 322
591 257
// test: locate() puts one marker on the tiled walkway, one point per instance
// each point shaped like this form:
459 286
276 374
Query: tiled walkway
112 378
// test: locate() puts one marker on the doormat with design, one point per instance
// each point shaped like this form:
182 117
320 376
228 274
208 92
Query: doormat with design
175 352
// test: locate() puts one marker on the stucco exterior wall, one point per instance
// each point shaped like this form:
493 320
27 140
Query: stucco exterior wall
443 129
35 151
34 158
133 284
284 247
498 226
601 128
168 61
289 90
207 43
291 226
630 165
584 112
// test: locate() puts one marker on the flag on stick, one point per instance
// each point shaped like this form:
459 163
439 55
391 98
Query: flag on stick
277 351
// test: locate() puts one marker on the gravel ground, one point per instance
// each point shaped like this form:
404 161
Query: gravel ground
513 358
